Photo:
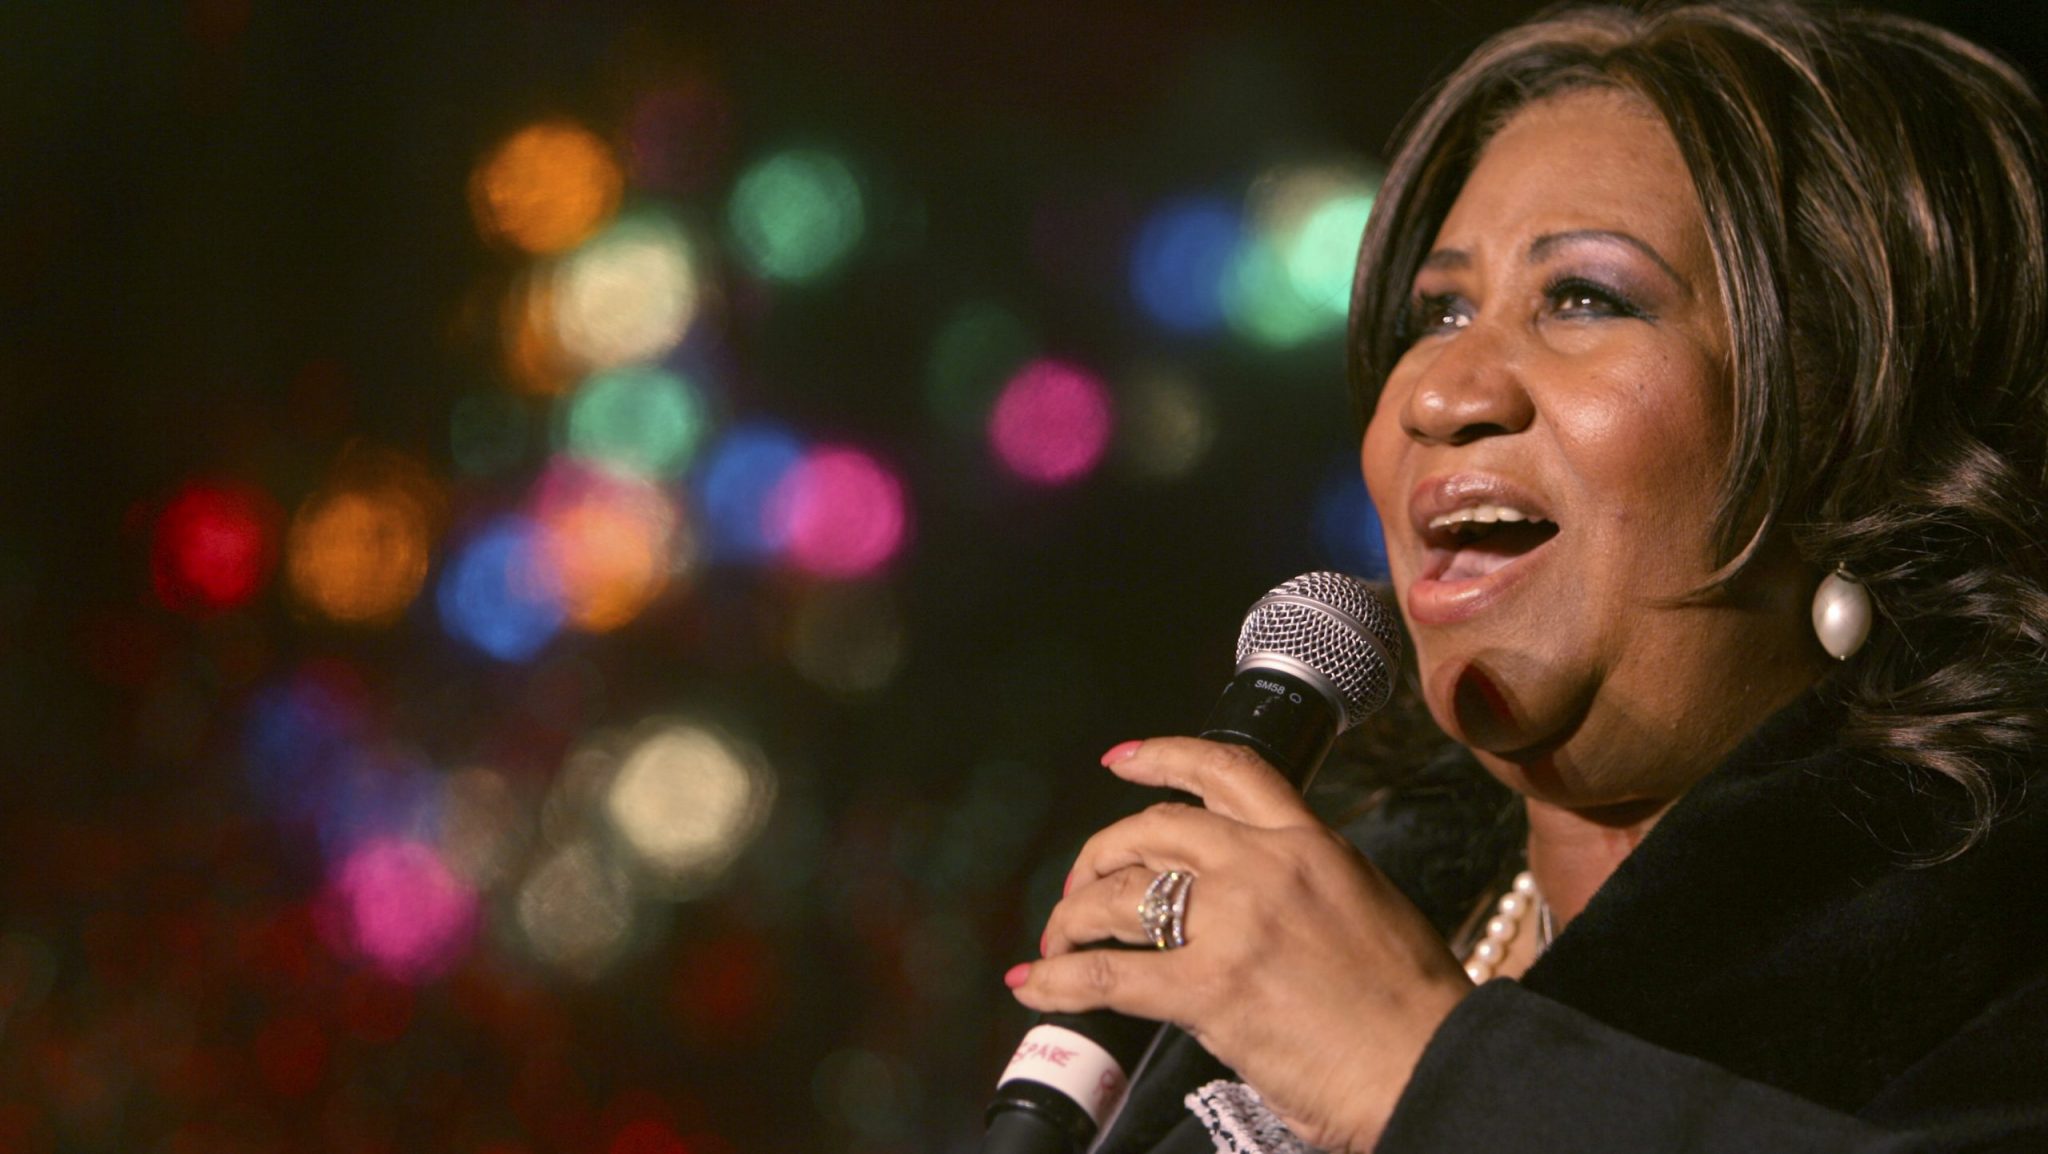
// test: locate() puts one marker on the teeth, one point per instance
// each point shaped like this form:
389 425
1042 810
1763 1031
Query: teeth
1481 515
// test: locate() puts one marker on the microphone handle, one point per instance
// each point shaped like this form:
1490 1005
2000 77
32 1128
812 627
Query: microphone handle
1069 1077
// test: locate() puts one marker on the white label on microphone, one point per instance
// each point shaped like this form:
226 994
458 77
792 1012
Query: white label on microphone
1072 1064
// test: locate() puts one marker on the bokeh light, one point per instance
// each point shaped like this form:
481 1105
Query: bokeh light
1348 526
1260 298
358 549
576 910
739 475
546 188
299 734
797 215
848 638
642 420
1291 279
839 512
535 362
1182 261
629 294
214 546
483 822
1325 249
1169 425
377 791
605 541
981 346
500 593
686 800
1052 423
406 911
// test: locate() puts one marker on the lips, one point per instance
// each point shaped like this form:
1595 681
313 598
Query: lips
1478 533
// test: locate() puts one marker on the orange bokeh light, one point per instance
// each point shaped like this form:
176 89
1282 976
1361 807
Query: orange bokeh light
534 359
609 541
358 550
546 188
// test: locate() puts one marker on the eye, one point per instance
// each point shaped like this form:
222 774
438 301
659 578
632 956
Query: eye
1431 313
1579 298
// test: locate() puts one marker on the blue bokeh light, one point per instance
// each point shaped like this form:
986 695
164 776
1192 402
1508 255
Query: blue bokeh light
1182 262
499 595
296 736
739 476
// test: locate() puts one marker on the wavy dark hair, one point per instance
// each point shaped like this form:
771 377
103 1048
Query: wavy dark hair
1873 193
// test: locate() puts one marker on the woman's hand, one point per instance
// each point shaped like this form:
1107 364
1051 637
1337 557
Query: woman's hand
1305 970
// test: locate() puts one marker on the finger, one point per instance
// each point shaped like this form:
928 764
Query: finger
1139 983
1106 909
1168 836
1230 779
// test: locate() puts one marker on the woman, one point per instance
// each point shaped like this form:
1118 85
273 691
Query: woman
1678 332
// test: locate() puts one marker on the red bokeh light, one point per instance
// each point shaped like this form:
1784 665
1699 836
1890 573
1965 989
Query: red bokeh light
215 545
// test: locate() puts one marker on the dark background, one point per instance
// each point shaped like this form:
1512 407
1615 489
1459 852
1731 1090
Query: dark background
235 239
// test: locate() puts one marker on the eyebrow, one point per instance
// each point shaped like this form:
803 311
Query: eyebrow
1541 248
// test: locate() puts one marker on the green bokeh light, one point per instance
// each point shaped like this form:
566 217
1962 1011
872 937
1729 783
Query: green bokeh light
1324 251
977 350
1262 301
644 421
797 215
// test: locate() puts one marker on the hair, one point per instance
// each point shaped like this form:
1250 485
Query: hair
1873 194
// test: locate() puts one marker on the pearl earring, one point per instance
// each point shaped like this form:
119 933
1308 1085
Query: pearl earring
1841 614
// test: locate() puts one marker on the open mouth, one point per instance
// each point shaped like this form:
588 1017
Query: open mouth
1472 542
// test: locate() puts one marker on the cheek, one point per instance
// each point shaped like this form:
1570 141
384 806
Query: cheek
1379 458
1650 462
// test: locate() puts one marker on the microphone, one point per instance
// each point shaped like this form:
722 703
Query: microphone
1314 657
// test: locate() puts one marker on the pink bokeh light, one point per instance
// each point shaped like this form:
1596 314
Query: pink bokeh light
839 513
1051 424
406 911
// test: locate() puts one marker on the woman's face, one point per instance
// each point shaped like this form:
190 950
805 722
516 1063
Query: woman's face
1546 458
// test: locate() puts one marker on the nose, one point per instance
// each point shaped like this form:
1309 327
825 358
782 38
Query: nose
1471 388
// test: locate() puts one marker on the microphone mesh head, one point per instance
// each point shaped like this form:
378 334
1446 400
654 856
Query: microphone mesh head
1334 624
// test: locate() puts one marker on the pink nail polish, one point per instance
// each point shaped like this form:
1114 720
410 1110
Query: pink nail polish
1017 974
1121 752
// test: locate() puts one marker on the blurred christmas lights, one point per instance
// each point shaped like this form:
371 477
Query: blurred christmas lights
406 911
604 543
214 547
1182 259
686 800
795 216
1052 423
644 421
546 188
838 512
501 593
628 295
737 480
358 549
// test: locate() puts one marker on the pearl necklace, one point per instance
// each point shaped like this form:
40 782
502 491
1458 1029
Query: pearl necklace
1506 922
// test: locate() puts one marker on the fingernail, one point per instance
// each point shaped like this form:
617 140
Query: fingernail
1121 752
1067 887
1044 943
1017 974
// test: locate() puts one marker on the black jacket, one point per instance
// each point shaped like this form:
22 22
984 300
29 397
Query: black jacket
1768 971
